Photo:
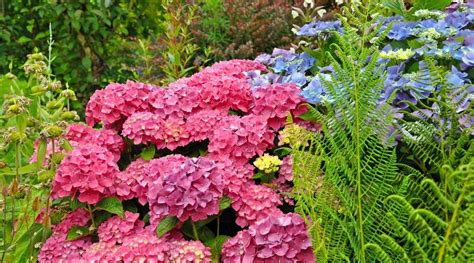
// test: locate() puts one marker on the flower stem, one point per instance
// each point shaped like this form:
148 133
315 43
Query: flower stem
195 232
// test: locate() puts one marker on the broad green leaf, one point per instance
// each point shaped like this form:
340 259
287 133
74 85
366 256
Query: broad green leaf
216 245
29 168
23 39
166 224
396 6
431 4
86 62
75 204
205 234
111 205
77 232
26 241
148 153
101 216
66 145
224 203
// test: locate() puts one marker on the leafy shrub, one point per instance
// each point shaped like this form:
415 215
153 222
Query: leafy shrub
89 37
185 165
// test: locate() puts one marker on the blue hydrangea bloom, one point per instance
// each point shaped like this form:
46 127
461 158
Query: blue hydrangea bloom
401 30
456 77
468 58
317 27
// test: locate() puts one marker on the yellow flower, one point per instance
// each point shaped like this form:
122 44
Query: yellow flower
268 163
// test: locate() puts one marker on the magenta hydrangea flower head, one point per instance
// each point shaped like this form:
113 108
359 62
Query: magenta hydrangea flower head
178 100
78 217
183 251
116 229
286 168
78 134
202 124
275 101
225 92
127 183
89 171
174 134
240 139
255 203
183 187
235 177
282 238
58 249
143 127
235 68
116 102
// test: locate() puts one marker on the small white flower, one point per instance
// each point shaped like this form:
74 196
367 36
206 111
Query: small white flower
308 3
321 12
294 14
339 2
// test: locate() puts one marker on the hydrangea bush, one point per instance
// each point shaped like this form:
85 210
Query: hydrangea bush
154 182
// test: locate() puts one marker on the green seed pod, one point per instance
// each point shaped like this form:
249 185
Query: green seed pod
69 116
15 136
52 131
10 76
14 109
53 105
37 56
68 94
37 89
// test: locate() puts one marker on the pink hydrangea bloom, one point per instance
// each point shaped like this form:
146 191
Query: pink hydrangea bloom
79 217
143 127
179 100
116 102
189 252
116 229
286 169
275 101
183 187
224 93
282 238
58 249
202 124
127 183
235 68
235 177
78 134
255 203
89 171
241 139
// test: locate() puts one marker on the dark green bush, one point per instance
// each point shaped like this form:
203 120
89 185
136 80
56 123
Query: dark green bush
91 36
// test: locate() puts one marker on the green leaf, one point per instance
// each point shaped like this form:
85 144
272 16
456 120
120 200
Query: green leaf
224 203
27 240
75 204
86 62
41 153
430 4
66 145
215 245
101 216
166 225
111 205
77 232
206 234
396 6
258 175
29 168
148 153
23 40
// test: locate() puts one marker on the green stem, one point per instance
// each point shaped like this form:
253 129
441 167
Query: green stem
4 223
195 232
91 213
